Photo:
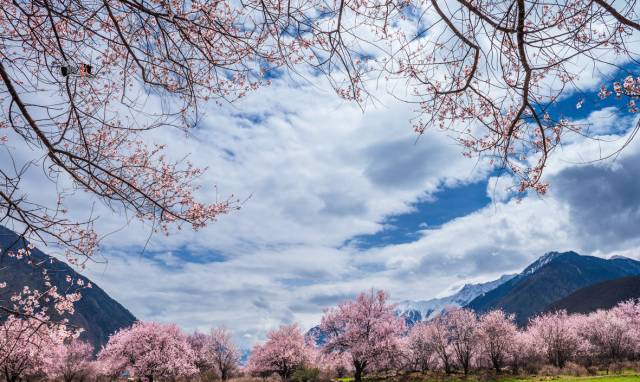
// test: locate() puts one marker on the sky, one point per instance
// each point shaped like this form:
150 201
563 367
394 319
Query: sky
337 200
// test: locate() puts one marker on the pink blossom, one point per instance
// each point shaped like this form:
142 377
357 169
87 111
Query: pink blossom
149 350
497 333
285 351
69 361
365 328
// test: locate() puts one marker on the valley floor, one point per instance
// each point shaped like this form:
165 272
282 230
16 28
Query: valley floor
599 378
623 377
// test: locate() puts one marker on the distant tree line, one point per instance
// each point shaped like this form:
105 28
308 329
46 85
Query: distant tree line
362 336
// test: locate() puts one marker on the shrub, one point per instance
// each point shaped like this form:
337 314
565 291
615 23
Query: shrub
574 369
306 375
549 371
617 367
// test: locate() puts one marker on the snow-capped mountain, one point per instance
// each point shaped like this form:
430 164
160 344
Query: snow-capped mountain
415 311
550 278
541 262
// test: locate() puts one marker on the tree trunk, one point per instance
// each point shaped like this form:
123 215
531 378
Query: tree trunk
359 371
284 374
496 364
9 376
358 375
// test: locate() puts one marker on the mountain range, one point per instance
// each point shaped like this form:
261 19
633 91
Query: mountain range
550 278
552 282
414 311
557 280
97 313
603 295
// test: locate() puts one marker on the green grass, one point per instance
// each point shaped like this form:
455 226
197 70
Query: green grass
627 376
566 378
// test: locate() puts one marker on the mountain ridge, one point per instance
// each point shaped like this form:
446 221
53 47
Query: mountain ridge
604 295
550 278
420 310
96 312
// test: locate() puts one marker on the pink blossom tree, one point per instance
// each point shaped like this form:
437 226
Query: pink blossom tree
76 89
24 346
419 350
490 72
496 332
42 300
556 334
224 353
149 350
202 359
69 361
607 334
437 334
629 311
215 352
331 364
524 352
108 368
366 328
283 353
463 330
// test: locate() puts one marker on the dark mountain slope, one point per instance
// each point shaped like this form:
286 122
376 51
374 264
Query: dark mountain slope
603 295
550 278
97 313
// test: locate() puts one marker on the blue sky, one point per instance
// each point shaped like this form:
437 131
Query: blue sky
443 206
456 201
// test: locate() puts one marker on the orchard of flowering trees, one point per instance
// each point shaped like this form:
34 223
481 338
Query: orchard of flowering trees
365 336
362 337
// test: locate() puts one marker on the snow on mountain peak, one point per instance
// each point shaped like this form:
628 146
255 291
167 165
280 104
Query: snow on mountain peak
431 308
541 262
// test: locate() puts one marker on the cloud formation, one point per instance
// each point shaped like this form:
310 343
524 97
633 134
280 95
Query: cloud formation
320 172
603 201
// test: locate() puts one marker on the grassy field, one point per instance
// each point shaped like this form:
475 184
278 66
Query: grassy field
624 377
564 378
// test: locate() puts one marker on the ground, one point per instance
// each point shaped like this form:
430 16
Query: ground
629 376
565 378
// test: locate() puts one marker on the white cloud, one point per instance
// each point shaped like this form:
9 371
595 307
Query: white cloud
319 172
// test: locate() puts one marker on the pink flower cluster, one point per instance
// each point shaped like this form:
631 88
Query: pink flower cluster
149 350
